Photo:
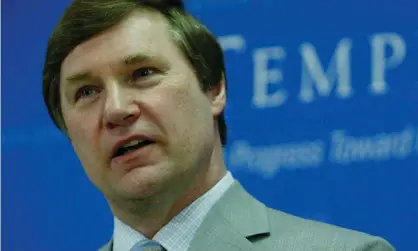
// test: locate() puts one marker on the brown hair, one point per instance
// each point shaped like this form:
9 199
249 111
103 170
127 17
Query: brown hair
84 19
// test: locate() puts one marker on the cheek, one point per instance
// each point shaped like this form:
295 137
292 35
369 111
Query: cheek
186 111
82 132
181 103
79 127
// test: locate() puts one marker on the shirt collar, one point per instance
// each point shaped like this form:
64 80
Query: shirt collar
179 232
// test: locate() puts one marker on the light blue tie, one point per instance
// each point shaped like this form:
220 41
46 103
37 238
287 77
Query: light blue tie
147 245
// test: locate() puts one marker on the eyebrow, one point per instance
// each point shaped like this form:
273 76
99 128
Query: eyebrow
129 60
137 58
78 77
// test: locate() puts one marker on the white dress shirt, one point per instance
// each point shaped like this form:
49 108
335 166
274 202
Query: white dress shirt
179 232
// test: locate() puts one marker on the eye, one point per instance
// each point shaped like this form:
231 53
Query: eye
143 73
84 92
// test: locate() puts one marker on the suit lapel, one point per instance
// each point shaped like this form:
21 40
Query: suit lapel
231 222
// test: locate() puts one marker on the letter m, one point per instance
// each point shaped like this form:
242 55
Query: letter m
314 76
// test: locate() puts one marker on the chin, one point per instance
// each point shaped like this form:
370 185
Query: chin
141 182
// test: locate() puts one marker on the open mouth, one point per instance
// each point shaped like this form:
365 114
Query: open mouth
131 147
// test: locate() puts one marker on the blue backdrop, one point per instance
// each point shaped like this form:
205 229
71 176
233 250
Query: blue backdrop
322 111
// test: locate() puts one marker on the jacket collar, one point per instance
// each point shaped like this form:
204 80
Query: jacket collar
232 222
230 225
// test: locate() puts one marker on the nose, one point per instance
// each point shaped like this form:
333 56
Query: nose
120 109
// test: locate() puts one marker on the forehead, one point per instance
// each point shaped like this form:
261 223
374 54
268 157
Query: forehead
142 32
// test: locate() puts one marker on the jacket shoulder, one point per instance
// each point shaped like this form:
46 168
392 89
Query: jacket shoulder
297 233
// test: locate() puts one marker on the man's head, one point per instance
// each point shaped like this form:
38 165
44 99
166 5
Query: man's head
139 88
85 19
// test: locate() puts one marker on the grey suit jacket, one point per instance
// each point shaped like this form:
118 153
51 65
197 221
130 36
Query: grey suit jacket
238 222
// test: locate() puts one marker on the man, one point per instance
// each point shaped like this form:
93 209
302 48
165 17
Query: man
139 88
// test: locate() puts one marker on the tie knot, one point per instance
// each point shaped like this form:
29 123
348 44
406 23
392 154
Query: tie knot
147 245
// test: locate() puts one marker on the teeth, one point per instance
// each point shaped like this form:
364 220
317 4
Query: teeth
133 142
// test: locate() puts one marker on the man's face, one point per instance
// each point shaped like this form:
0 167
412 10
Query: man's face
134 110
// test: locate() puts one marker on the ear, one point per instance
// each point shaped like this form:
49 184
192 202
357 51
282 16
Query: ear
217 97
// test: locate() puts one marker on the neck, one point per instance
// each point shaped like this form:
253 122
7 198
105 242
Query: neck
155 214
